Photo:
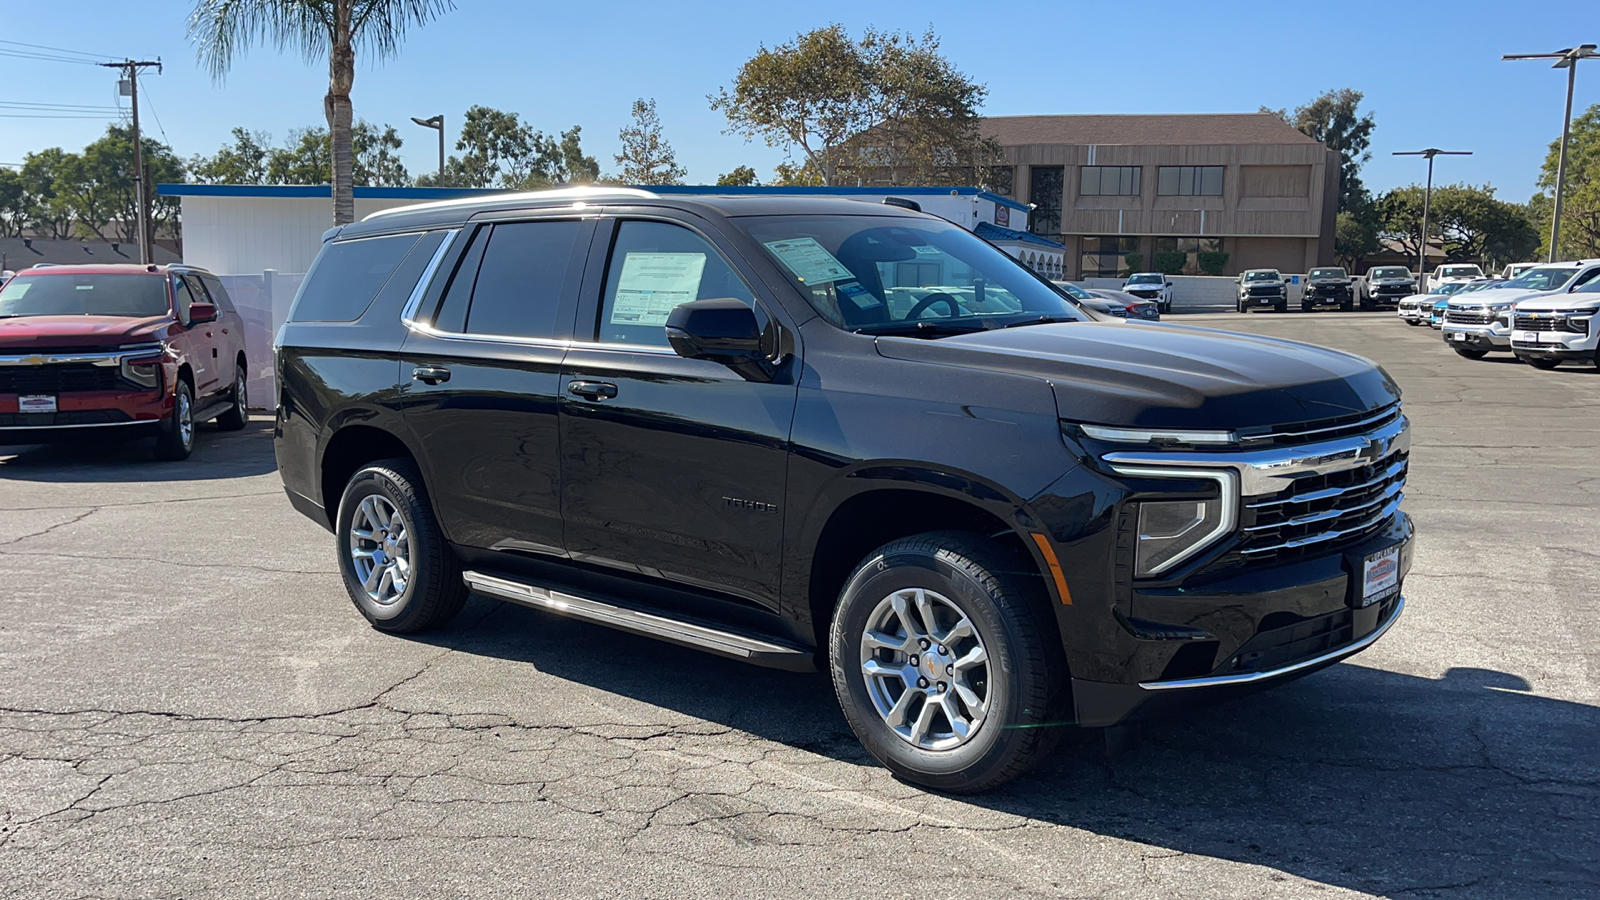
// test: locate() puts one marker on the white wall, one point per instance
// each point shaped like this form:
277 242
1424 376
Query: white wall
248 235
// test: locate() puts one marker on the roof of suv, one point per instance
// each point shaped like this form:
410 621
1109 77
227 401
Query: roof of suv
456 212
109 269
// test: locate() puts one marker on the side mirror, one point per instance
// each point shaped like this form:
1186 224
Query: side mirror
723 331
200 313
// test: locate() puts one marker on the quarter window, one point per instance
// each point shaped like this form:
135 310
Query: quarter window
347 275
654 268
1189 181
520 282
1108 181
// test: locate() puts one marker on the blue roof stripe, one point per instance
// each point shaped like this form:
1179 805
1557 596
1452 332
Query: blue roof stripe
991 232
294 191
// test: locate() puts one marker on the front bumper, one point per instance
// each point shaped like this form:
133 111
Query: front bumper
86 413
1554 345
1495 336
1264 299
1329 295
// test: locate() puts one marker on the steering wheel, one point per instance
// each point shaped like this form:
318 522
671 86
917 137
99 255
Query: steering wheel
939 297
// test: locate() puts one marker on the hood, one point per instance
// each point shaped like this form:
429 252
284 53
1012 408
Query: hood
78 332
1580 300
1394 279
1167 376
1491 297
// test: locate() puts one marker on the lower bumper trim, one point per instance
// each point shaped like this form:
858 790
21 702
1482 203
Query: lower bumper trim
1251 677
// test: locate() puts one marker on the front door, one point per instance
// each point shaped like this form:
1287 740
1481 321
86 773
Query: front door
671 468
197 337
481 376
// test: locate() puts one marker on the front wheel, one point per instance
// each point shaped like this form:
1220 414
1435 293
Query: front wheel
1470 353
177 441
1282 306
948 667
397 568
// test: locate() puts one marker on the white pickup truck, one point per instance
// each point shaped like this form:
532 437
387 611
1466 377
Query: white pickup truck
1480 322
1556 328
1449 272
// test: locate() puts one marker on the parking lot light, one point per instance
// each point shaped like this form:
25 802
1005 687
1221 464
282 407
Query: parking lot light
1427 192
1565 59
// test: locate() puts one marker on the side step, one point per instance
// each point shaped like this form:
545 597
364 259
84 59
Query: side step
759 650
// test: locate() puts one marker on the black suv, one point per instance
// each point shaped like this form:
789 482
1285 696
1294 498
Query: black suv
820 432
1329 286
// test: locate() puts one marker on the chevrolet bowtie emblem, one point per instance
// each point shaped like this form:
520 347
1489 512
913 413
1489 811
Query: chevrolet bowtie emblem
35 360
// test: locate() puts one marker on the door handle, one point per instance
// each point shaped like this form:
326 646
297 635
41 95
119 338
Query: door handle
430 374
592 390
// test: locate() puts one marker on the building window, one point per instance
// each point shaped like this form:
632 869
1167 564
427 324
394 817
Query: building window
1104 257
1191 247
1001 179
1046 185
1108 181
1189 181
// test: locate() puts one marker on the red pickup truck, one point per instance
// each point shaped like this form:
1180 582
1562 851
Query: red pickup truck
122 350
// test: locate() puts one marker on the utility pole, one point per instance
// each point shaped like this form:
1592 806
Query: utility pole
1427 195
130 70
1565 59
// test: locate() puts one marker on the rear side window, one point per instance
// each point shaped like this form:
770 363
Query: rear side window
520 281
348 275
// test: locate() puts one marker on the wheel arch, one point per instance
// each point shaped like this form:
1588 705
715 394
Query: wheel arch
350 447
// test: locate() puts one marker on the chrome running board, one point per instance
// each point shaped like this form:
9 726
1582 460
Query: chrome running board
761 651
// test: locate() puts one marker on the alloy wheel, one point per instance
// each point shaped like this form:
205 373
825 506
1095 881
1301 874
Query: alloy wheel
380 549
926 669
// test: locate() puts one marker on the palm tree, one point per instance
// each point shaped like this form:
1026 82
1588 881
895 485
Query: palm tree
226 28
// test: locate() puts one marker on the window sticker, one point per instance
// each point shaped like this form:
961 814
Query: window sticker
653 284
855 293
809 260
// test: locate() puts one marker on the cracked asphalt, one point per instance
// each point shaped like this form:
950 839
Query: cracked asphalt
190 707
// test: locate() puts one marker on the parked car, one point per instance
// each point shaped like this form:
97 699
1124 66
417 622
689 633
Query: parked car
1453 272
1436 318
119 350
1085 299
745 425
1135 307
1556 328
1263 287
1389 285
1329 286
1416 309
1513 270
1479 322
1151 286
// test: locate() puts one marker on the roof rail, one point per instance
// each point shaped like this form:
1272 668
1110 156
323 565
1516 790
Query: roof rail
577 194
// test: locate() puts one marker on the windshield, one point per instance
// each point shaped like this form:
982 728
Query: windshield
888 274
1143 278
1460 272
1327 273
1389 272
1072 290
1479 285
1262 276
1544 278
1450 288
60 294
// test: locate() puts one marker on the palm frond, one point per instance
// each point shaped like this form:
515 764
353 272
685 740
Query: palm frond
380 25
224 30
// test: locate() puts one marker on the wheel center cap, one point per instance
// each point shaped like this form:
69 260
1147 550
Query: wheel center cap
933 663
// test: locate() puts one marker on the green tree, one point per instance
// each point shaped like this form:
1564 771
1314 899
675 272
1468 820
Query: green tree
12 208
305 158
499 150
1580 199
788 174
741 176
44 210
1335 119
1466 221
242 162
1355 234
646 157
576 168
104 192
223 29
889 106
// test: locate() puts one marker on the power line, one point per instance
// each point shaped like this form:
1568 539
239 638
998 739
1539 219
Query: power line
41 116
58 107
96 56
43 57
159 126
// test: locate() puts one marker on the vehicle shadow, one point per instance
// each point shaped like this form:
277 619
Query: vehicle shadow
1354 777
99 459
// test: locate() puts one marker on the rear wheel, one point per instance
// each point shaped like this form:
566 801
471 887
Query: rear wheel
397 568
947 667
1541 362
1470 353
177 442
237 414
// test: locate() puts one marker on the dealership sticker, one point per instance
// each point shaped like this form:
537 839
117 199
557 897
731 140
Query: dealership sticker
1380 575
36 403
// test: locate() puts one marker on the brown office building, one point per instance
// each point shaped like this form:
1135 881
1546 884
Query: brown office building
1246 185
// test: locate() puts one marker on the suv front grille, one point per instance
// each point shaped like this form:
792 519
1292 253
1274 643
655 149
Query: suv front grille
1319 429
1268 291
1323 511
1545 322
59 379
1468 317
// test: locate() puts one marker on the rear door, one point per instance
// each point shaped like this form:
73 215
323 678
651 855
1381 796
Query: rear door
480 375
671 468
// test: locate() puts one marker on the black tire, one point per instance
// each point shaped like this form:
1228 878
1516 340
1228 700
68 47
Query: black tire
1308 307
1024 684
1282 306
1239 305
1413 322
1470 353
1541 362
176 442
238 414
434 592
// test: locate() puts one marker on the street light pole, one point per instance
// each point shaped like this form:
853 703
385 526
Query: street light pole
1565 59
1427 196
436 123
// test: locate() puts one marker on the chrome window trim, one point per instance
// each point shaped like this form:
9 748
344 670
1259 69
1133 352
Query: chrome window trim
408 312
107 358
1227 485
1251 677
1266 472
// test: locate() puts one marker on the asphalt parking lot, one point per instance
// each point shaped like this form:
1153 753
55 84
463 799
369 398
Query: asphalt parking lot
189 706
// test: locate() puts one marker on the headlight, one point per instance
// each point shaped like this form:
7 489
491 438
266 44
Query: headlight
143 371
1171 531
1580 324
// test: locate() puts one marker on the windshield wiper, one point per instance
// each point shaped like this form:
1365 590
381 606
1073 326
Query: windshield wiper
1042 320
920 328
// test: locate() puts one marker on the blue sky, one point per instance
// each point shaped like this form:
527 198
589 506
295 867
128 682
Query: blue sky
1431 72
